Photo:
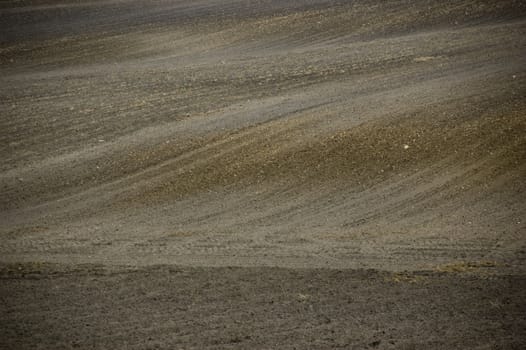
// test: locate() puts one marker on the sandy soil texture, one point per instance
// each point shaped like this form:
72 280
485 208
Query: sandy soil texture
326 142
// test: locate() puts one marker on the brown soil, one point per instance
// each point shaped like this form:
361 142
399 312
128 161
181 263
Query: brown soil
299 141
167 307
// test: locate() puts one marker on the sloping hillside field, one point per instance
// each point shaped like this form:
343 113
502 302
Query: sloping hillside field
262 174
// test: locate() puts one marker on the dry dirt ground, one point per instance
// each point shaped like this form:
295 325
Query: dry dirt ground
262 174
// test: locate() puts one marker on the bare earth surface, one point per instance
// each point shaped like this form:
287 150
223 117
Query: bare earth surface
262 174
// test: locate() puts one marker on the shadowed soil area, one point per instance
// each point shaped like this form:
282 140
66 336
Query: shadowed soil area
165 307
